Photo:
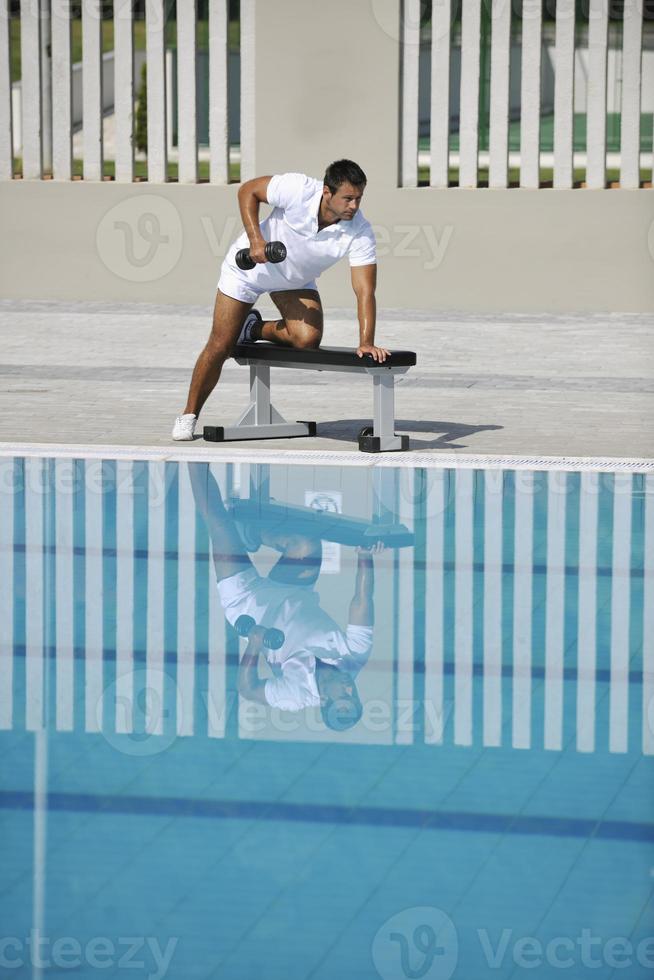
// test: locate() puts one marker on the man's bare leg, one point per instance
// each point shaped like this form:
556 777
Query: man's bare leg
229 554
228 317
302 321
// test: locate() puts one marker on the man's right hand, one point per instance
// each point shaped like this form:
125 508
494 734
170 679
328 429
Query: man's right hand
257 251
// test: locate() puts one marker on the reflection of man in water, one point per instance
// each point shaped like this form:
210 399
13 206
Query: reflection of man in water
318 662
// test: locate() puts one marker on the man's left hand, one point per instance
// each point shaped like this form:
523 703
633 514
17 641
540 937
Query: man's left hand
378 353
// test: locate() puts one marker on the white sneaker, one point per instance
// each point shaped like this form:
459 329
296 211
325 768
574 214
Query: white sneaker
184 427
250 324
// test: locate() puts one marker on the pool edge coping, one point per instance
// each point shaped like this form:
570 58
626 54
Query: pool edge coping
412 460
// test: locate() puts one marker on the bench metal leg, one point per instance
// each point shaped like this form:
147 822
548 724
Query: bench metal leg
260 420
383 438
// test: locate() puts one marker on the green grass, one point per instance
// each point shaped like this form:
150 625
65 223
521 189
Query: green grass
547 134
141 170
108 39
546 176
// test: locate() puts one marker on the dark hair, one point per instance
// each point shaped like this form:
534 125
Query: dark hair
342 172
342 713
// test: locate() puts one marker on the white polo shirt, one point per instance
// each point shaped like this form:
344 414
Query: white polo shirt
310 635
294 221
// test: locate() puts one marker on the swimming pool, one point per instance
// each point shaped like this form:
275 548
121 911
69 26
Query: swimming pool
475 800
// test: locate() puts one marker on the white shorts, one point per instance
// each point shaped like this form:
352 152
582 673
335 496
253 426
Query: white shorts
237 593
239 288
249 594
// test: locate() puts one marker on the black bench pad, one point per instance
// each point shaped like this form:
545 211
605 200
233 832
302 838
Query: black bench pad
276 516
333 356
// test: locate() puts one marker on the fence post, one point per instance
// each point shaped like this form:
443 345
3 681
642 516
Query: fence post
598 21
248 93
187 137
6 128
218 91
530 94
441 30
92 89
410 83
498 137
124 89
632 42
470 69
62 94
155 25
564 93
30 89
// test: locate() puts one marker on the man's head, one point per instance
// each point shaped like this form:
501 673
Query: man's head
343 189
340 705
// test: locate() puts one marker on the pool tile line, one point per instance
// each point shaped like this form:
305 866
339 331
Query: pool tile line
172 554
416 459
457 821
171 658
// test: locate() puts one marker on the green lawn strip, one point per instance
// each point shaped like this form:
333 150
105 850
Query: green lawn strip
547 134
546 176
141 170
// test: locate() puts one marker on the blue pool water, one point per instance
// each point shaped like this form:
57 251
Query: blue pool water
445 770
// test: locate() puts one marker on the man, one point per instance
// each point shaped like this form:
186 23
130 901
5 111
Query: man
318 662
319 223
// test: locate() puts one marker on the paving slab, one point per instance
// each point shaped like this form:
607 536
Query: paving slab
514 384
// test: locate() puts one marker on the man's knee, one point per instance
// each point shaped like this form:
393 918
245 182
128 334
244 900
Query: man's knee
307 341
218 348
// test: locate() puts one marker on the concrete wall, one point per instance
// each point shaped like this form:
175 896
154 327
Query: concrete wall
327 82
514 250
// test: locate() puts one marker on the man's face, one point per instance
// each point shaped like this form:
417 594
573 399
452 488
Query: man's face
336 684
344 203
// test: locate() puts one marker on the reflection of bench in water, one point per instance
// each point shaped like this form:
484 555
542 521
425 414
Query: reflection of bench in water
319 524
262 421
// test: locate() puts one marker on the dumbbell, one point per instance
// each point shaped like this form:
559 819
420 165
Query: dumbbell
272 638
275 252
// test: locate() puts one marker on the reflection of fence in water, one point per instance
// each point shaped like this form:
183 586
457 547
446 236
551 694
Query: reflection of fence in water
537 600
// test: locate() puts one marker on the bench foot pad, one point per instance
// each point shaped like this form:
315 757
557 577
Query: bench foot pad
373 444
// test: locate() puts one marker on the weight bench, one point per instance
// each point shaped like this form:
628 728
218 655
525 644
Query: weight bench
275 515
261 420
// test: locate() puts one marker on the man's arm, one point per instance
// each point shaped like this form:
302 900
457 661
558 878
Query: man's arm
251 194
250 685
364 281
362 609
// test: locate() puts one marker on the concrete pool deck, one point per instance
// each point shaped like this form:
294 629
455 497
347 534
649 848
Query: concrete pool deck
515 384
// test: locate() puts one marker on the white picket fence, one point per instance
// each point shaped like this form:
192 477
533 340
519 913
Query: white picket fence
36 145
45 139
441 157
